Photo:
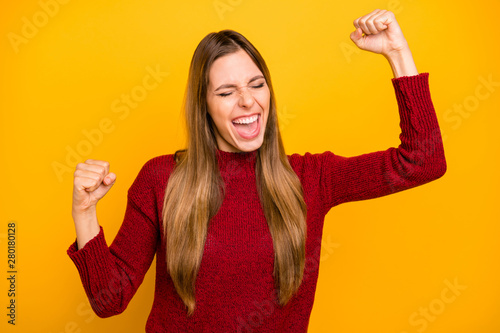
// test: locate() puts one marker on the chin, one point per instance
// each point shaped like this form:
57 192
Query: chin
250 146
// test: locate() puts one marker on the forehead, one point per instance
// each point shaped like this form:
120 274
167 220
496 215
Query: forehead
235 67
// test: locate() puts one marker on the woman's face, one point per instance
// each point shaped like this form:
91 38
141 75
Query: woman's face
238 102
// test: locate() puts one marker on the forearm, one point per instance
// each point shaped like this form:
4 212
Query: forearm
103 273
115 271
86 226
402 63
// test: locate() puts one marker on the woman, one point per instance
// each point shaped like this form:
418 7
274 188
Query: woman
235 223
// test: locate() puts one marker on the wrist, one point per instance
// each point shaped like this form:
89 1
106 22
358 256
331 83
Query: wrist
82 213
402 63
86 226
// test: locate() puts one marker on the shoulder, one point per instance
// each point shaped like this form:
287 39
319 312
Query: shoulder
310 167
158 165
308 160
154 173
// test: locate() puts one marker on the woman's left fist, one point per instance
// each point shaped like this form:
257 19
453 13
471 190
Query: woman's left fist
379 32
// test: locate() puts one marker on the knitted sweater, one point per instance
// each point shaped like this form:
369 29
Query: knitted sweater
234 288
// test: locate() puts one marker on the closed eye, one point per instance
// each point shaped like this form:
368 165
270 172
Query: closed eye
259 86
229 93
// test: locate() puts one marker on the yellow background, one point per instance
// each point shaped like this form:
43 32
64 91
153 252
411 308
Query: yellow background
383 260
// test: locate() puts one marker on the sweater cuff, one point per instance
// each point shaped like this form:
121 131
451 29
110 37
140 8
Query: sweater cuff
418 82
94 250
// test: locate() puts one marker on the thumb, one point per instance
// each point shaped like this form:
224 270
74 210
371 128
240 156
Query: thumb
106 185
357 37
109 180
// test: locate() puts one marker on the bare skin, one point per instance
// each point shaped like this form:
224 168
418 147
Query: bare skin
92 180
379 32
376 32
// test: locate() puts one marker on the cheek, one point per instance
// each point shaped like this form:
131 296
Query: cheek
220 112
265 101
266 98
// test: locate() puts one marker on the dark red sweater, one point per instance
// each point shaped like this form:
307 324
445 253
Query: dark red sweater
234 287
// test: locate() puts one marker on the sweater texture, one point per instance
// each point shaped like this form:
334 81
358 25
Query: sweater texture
234 287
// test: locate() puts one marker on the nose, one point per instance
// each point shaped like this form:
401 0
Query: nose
246 98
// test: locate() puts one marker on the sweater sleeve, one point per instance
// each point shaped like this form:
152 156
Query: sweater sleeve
418 159
111 275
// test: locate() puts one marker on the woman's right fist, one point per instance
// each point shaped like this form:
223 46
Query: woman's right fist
92 181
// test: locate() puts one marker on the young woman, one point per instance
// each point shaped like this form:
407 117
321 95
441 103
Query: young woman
235 223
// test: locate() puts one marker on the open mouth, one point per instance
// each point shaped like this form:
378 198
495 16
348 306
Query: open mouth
248 127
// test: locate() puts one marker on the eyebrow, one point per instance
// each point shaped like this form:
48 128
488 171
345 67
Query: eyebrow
230 85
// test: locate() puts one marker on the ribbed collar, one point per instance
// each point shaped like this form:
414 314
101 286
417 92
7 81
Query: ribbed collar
236 164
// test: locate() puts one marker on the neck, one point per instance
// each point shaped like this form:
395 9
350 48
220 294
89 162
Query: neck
235 163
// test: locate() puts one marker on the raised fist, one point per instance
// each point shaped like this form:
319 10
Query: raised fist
91 182
378 32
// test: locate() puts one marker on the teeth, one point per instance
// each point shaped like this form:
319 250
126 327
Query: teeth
246 120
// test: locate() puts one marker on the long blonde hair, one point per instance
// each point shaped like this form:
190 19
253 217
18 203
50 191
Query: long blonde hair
195 188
